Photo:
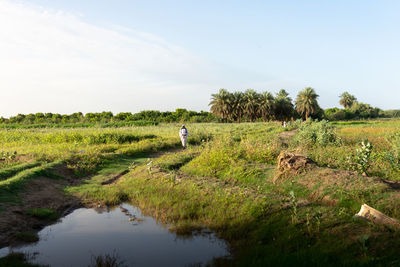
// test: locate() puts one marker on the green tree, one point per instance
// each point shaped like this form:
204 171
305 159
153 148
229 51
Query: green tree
267 105
238 101
283 106
347 100
221 104
251 104
306 102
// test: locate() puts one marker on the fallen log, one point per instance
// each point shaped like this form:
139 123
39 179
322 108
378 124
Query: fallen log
375 216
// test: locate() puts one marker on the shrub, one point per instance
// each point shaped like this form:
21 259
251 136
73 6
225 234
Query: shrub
316 133
361 161
393 156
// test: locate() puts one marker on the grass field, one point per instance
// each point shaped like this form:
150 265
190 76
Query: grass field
227 180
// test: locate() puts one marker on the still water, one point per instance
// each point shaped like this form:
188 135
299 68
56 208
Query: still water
137 239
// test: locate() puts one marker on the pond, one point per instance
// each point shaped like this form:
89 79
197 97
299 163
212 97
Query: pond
123 231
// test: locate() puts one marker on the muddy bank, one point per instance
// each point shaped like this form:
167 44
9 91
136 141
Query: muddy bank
38 193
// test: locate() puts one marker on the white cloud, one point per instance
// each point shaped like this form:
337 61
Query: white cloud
52 61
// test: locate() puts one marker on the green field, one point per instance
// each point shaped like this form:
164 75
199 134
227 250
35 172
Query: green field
227 180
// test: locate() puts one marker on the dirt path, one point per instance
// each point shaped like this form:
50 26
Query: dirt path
285 136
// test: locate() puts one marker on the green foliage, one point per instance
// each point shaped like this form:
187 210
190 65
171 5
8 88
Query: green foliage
42 213
89 137
251 106
103 119
336 114
306 102
393 155
317 133
364 111
292 125
361 161
347 100
85 163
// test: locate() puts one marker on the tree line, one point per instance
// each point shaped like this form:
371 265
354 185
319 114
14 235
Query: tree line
253 106
179 115
226 106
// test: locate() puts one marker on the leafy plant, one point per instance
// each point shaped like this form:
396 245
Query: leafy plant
317 133
361 161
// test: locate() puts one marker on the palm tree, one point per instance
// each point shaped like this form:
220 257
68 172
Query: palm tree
238 101
267 105
347 100
283 105
221 104
306 102
251 104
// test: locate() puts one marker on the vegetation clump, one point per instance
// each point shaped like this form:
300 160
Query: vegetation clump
319 133
361 161
27 236
42 213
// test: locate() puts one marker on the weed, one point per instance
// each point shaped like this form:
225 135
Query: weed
7 156
149 166
106 260
132 166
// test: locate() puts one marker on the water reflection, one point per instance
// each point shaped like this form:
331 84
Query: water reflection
137 239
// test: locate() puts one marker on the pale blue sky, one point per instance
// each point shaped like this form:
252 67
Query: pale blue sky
122 55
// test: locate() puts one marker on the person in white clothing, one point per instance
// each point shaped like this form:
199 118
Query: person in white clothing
183 134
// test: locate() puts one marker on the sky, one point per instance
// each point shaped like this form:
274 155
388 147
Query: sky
128 55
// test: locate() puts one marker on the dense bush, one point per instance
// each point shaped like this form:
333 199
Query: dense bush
316 133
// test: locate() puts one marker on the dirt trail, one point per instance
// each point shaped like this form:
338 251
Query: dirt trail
285 136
